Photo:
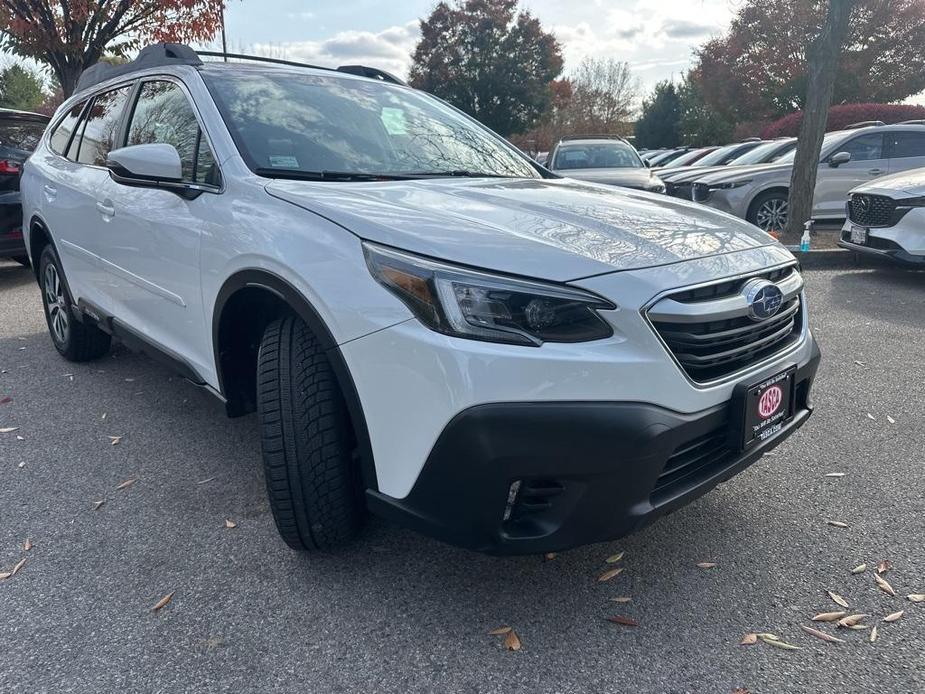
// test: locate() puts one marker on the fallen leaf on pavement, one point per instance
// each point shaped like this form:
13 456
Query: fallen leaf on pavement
821 635
829 616
126 484
749 639
162 602
512 641
230 523
27 545
777 643
97 504
15 570
916 597
870 416
893 617
607 575
7 430
621 599
706 565
207 479
884 586
890 419
114 440
625 621
873 634
851 620
5 399
884 566
859 627
835 474
498 631
550 556
614 558
838 599
838 524
859 569
740 690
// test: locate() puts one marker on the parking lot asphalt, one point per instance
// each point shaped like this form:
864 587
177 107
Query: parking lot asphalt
398 612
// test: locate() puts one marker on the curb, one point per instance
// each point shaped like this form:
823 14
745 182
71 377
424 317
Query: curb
827 259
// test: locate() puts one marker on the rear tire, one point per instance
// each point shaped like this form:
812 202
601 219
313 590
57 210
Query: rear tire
75 341
307 440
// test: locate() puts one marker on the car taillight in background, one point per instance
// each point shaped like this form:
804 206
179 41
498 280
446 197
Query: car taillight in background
9 167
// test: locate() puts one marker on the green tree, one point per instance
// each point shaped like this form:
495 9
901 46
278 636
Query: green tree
660 122
701 124
20 88
483 57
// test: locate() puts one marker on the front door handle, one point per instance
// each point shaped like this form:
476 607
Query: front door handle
50 192
105 208
875 172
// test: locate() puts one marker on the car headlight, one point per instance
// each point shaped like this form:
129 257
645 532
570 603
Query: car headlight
912 202
656 188
729 185
481 306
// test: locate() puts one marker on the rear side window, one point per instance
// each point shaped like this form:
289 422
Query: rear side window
23 135
907 145
164 115
62 134
101 126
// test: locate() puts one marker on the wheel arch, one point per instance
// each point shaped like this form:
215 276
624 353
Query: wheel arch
776 188
246 303
39 237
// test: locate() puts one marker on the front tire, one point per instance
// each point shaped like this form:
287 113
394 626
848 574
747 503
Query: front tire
75 341
307 440
769 211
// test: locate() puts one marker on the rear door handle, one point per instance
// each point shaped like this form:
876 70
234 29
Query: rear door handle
106 209
875 172
50 192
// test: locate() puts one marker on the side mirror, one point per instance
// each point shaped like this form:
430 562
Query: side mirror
145 165
839 158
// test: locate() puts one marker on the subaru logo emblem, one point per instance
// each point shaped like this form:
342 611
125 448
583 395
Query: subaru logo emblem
763 298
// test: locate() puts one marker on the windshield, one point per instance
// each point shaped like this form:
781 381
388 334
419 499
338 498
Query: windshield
719 156
286 123
828 141
761 154
606 155
689 158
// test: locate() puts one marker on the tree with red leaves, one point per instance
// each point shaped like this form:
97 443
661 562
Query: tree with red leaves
71 35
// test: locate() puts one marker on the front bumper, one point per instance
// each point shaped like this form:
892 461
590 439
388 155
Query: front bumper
902 242
587 471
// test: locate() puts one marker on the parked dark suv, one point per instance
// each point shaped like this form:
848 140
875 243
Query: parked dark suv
20 132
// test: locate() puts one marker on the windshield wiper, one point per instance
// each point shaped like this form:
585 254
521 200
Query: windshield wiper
456 173
302 175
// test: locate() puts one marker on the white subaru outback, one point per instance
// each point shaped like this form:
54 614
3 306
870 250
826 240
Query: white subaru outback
428 325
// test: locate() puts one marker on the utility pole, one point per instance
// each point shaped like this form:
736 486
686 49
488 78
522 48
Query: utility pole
224 45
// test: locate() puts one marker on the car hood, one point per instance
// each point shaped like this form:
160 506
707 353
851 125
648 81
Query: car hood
688 173
745 173
556 229
906 183
629 178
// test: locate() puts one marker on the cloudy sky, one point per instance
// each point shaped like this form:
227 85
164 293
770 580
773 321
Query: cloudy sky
655 37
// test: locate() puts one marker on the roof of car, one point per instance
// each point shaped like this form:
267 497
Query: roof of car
22 115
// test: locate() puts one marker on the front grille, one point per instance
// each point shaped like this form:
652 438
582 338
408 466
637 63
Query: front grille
682 190
710 334
701 455
871 210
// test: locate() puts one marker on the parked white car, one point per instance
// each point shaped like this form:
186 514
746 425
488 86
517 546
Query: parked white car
887 218
611 161
848 158
428 324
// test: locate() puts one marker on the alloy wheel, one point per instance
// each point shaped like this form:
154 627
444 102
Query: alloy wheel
771 215
56 303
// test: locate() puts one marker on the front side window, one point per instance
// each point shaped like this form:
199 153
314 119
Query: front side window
287 123
61 137
610 155
907 144
864 148
101 126
163 115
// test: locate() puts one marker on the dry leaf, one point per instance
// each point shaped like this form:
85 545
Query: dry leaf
749 639
859 569
777 643
916 597
859 627
821 635
884 586
870 416
15 570
890 419
838 599
614 558
835 474
27 545
498 631
97 504
512 641
607 575
893 617
114 440
873 634
829 616
851 620
706 565
740 690
884 566
230 523
5 400
163 601
208 479
859 363
625 621
7 430
126 484
550 556
838 524
621 599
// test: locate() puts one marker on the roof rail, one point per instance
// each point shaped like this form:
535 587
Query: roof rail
914 121
156 55
360 70
864 124
371 72
592 137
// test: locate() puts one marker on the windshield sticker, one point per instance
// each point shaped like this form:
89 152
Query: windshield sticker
280 161
394 120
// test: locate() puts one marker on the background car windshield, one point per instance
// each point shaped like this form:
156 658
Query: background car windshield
717 156
606 155
759 154
293 122
829 141
691 157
